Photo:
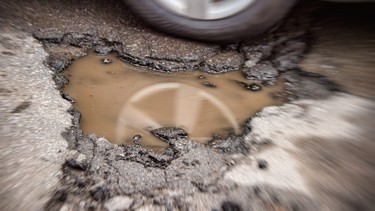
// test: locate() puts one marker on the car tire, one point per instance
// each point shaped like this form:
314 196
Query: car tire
251 21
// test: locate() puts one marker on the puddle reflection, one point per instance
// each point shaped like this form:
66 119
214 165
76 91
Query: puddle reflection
118 101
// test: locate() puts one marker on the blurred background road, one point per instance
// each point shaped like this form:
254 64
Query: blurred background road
322 155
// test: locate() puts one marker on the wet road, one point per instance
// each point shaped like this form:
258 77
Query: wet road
315 152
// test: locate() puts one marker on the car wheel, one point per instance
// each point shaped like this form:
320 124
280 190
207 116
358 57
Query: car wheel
211 20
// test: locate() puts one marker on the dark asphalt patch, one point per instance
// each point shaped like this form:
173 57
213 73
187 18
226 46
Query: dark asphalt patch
114 163
136 171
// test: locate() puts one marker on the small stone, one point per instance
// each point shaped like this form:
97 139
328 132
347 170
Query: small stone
255 87
262 164
106 61
169 134
79 163
201 77
208 84
250 87
137 139
119 203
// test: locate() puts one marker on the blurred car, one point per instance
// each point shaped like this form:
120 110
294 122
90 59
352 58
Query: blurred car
213 20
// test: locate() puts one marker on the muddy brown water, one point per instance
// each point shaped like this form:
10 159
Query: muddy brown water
118 101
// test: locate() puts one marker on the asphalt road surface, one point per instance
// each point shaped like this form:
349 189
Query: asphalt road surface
314 152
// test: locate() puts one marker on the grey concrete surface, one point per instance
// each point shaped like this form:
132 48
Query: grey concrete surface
319 149
33 116
314 142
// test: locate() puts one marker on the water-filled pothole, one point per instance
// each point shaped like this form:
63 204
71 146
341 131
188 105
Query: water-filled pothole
118 101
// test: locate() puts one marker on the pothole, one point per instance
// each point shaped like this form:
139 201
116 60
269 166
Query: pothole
125 104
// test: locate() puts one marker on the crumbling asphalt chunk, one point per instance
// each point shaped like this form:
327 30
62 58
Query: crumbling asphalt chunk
102 50
78 39
249 86
261 72
51 35
288 55
137 139
145 156
57 64
79 162
169 134
60 80
231 145
60 58
76 118
223 62
68 98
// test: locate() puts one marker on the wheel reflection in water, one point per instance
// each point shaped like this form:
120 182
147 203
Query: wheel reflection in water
118 101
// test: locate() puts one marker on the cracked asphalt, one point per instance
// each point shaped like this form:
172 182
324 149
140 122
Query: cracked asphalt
315 152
